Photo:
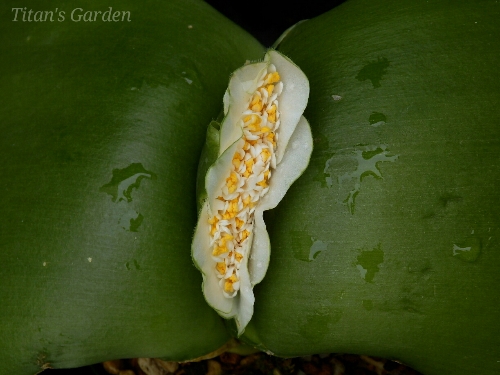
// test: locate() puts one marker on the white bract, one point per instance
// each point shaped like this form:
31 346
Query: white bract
264 146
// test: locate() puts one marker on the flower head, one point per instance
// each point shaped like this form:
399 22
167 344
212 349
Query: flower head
264 146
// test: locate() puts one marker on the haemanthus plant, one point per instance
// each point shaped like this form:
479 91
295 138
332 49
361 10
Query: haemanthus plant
264 145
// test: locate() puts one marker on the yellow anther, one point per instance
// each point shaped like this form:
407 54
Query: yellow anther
266 154
213 223
252 119
270 89
232 210
237 158
266 174
218 250
249 167
239 223
257 107
252 122
231 182
263 183
256 103
254 128
265 129
272 78
270 138
247 200
238 256
228 285
255 99
271 113
221 267
244 235
271 109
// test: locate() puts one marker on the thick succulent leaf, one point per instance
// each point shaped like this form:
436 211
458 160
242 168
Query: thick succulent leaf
208 156
388 244
102 127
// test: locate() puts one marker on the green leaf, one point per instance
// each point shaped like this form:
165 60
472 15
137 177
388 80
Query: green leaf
389 244
102 125
209 154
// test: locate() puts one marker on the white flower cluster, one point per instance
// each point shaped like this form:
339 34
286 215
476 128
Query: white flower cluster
232 222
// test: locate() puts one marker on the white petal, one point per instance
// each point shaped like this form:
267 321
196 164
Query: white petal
242 85
201 256
293 164
245 299
293 98
261 250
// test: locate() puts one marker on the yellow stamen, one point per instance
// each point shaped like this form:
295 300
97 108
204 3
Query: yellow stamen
221 267
266 154
265 129
239 223
238 256
263 183
233 207
272 78
244 235
257 107
218 250
252 119
249 167
231 182
254 127
228 285
247 200
270 89
256 103
213 224
270 138
237 158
